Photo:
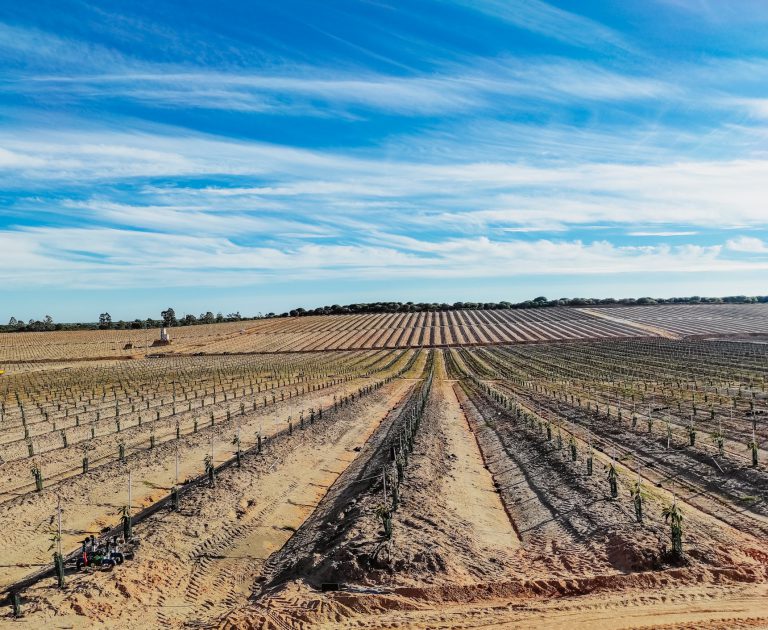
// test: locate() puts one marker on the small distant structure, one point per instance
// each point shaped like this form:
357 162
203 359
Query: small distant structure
165 338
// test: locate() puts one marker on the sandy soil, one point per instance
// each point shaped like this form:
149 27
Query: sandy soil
195 564
496 530
669 607
92 502
654 330
496 527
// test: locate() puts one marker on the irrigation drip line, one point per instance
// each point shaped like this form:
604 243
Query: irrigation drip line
601 442
60 477
580 419
165 501
250 397
199 480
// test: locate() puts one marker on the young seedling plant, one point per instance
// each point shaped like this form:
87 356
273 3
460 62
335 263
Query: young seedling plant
385 515
236 444
85 448
753 446
719 439
674 517
125 518
210 469
638 497
38 475
613 477
54 532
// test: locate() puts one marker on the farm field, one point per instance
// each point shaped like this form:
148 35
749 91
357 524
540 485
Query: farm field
31 347
696 319
25 351
612 481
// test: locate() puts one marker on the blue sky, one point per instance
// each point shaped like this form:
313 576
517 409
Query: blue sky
257 156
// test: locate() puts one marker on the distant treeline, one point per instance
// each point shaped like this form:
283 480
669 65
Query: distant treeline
539 302
168 317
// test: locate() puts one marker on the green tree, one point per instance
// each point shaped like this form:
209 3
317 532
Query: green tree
105 321
169 317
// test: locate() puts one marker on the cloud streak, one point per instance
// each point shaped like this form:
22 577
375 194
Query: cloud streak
545 19
100 258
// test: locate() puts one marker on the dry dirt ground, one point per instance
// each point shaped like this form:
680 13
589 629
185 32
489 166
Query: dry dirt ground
195 564
490 534
493 530
93 502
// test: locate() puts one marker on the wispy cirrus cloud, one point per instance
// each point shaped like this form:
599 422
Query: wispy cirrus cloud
248 220
479 194
473 85
128 257
546 19
662 233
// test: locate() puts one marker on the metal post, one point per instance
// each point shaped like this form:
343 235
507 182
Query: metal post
58 518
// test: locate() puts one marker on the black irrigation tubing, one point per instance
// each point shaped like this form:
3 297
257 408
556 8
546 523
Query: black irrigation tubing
323 382
596 356
414 409
203 479
407 407
254 395
703 447
108 458
511 383
233 388
537 412
50 404
538 409
600 444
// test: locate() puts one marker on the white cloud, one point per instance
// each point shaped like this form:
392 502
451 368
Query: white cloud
546 19
100 258
747 244
12 160
194 220
758 107
356 189
474 84
667 233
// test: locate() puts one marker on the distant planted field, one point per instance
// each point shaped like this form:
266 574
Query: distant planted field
391 330
413 330
699 319
107 344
